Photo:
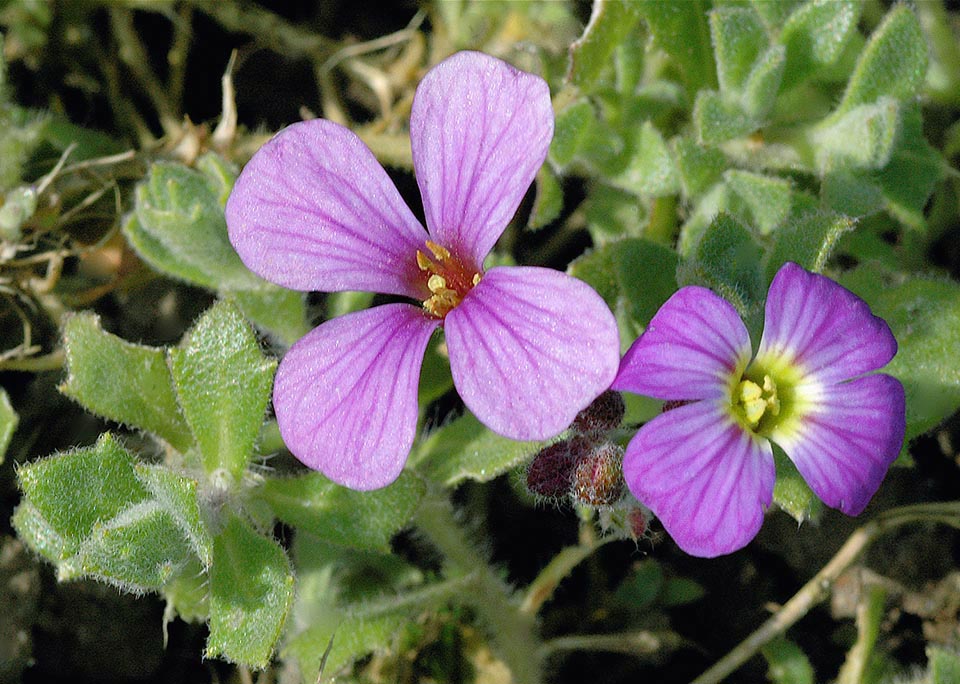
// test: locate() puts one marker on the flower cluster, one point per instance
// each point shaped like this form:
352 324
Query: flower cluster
313 210
705 466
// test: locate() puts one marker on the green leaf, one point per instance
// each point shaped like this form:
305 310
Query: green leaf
8 423
70 493
642 586
681 30
177 496
788 664
760 91
651 171
851 193
807 240
611 22
893 64
862 138
944 665
815 36
792 493
435 377
717 120
17 207
223 383
186 594
613 213
679 591
774 14
336 514
570 131
465 449
274 309
251 591
727 260
739 38
767 199
120 381
924 315
699 167
548 202
139 549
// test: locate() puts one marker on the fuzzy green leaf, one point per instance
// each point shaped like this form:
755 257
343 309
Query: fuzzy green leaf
792 493
548 202
763 83
862 138
251 591
699 167
807 240
944 665
70 493
465 449
336 514
767 199
223 383
681 30
120 381
570 131
177 496
739 39
893 64
815 36
274 309
8 423
717 120
651 171
613 213
611 22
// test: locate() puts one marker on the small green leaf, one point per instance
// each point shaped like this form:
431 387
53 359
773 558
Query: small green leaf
71 493
679 591
944 665
223 383
717 120
124 382
852 193
788 664
251 591
760 91
187 594
767 199
611 22
774 14
465 449
681 30
862 138
570 131
8 423
336 514
177 496
699 167
893 64
727 260
17 207
815 36
651 171
924 315
613 213
807 240
548 202
739 39
642 586
140 549
792 493
274 309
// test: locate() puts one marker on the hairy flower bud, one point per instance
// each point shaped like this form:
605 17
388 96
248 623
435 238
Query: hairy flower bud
551 471
598 477
604 414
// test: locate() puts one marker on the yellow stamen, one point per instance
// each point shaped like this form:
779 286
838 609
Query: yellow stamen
755 401
448 279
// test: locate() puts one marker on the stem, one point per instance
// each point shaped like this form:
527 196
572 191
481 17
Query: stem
818 588
542 588
512 632
641 643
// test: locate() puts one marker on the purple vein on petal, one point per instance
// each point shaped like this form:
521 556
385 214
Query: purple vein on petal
346 394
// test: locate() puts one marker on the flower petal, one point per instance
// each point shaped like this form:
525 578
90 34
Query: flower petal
844 447
822 327
707 479
314 210
529 349
346 394
479 130
693 346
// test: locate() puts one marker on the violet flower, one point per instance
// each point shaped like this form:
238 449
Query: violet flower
314 210
706 467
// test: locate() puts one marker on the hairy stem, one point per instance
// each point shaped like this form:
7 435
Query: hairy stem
818 588
513 633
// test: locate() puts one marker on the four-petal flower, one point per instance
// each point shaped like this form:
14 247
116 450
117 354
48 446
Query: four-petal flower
313 210
705 467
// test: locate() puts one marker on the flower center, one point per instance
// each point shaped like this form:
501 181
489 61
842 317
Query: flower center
448 279
752 401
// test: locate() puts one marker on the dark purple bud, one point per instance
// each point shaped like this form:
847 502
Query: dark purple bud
598 478
551 470
603 415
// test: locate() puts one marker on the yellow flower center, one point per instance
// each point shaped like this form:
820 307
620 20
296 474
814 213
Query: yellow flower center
447 277
752 401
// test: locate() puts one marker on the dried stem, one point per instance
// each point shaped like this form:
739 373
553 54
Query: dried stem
818 588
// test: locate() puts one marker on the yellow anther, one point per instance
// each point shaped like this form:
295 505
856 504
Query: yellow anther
476 279
424 263
439 251
437 284
749 391
755 402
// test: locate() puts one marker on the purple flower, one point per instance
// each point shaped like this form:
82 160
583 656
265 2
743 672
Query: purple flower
313 210
706 468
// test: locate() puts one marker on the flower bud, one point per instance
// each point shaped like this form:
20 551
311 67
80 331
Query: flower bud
598 477
551 471
604 414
